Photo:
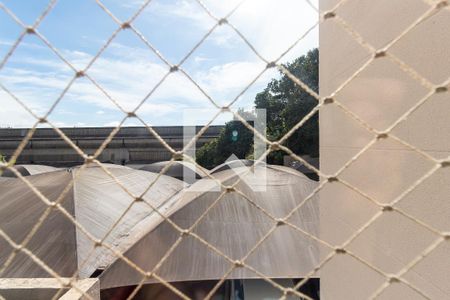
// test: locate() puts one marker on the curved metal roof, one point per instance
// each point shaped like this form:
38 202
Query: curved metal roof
232 165
26 170
185 171
96 201
233 226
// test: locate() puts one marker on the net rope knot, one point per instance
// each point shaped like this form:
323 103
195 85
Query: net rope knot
445 163
230 189
177 155
440 89
442 4
332 179
387 208
280 222
288 291
382 135
392 278
273 146
238 264
328 100
380 53
30 30
271 64
340 250
79 74
329 15
222 21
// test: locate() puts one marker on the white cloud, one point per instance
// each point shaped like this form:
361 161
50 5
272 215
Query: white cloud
224 82
230 76
130 3
271 26
128 73
12 114
200 59
37 90
6 42
183 9
128 80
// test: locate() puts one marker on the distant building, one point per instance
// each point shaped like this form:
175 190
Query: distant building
131 145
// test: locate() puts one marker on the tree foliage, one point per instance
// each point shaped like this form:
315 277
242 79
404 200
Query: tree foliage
286 104
206 155
235 139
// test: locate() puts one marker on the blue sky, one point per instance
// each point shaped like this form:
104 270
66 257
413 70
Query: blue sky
223 65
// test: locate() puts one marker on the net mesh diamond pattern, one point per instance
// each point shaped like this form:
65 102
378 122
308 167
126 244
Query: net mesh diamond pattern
330 15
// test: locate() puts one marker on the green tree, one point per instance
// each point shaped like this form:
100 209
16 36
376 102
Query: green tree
235 139
286 104
206 154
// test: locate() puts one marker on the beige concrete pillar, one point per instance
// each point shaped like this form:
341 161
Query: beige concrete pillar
379 96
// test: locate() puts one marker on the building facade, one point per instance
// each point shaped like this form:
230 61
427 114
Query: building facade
131 145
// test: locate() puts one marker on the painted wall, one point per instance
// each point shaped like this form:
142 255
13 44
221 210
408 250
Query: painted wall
380 95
